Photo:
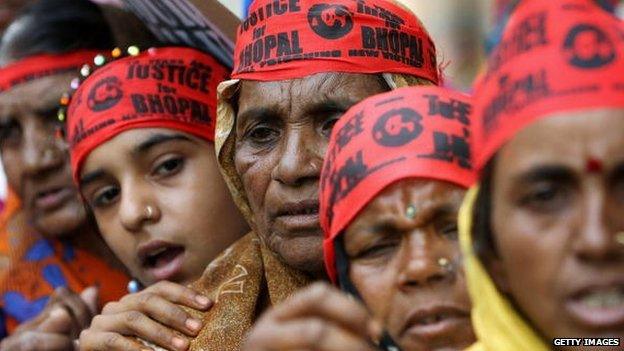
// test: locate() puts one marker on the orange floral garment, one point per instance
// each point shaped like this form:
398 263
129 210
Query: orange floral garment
37 266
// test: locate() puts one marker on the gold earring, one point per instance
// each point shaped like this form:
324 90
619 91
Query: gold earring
619 238
443 262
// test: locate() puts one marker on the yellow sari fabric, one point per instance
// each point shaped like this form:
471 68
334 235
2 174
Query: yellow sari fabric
499 327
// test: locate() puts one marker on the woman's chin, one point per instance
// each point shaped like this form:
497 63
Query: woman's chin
304 253
60 223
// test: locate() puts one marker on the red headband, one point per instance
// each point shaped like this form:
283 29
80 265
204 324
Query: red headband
297 38
555 56
172 88
41 66
416 132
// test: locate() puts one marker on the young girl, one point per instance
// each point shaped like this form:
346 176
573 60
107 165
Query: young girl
141 133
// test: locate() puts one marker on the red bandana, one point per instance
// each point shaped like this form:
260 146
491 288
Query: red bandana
173 88
41 66
416 132
286 39
555 56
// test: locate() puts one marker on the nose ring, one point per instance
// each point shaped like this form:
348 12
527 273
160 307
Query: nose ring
149 212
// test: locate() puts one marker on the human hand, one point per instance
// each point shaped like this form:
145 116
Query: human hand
153 315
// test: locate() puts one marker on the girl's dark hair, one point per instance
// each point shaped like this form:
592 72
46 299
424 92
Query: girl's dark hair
483 240
56 27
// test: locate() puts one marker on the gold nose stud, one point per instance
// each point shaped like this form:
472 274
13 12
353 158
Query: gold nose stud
410 212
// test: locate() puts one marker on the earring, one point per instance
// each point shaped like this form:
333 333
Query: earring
443 262
410 212
619 238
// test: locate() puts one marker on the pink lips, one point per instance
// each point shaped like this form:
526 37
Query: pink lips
53 198
296 217
161 260
436 322
599 307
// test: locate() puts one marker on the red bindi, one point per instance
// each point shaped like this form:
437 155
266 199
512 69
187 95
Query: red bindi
593 165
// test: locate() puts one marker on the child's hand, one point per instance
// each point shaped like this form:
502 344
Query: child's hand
152 315
319 318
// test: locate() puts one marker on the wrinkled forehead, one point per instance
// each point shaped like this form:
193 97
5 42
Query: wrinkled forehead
39 93
418 192
301 93
567 139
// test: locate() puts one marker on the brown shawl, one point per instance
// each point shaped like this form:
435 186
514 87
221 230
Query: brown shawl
245 280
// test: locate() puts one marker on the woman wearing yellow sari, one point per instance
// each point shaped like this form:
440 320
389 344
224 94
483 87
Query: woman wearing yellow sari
542 233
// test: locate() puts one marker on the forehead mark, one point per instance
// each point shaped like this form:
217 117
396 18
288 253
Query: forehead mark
594 165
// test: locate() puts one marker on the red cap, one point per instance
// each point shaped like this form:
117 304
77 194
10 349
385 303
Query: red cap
297 38
555 56
415 132
40 66
173 88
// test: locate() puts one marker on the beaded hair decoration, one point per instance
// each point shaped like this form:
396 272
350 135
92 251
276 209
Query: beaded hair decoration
85 71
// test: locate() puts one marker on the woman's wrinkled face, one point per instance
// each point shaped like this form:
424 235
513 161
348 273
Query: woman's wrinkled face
282 132
192 217
558 200
405 262
35 160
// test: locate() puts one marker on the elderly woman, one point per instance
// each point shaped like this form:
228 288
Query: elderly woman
55 251
390 195
543 232
299 66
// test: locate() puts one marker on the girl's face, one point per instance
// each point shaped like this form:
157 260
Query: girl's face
160 203
557 219
405 262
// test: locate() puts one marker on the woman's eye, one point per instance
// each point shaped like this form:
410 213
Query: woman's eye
450 231
10 133
378 251
545 197
262 134
170 166
105 196
618 189
329 124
